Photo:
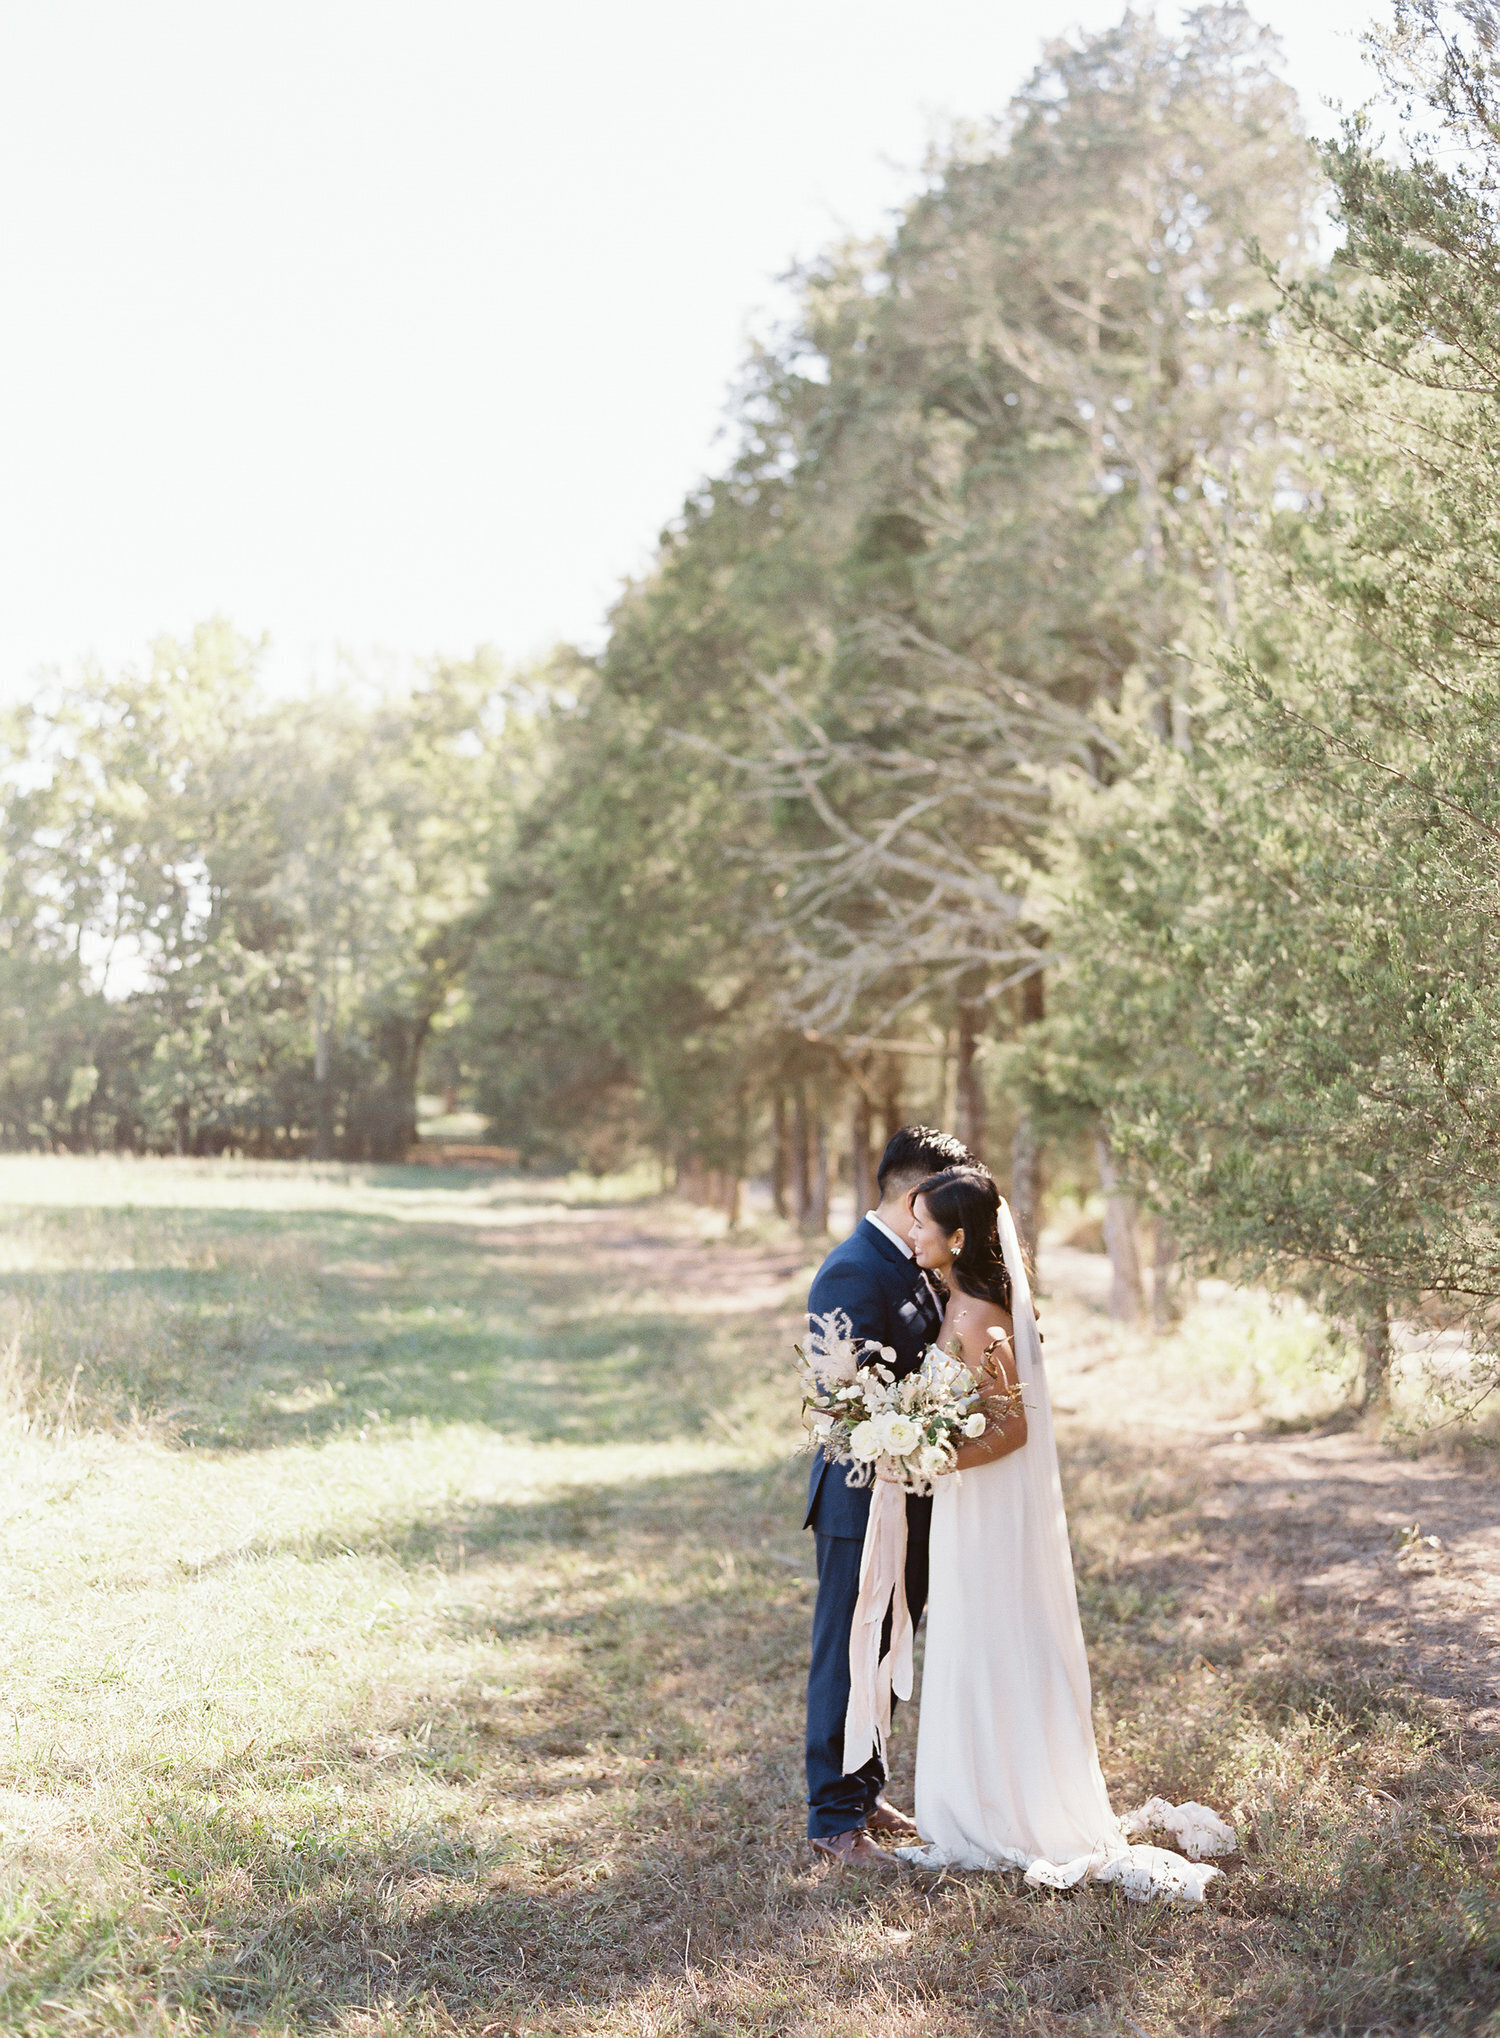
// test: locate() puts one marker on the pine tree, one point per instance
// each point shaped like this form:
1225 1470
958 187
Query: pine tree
1288 982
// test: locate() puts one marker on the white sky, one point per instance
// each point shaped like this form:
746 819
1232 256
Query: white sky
404 327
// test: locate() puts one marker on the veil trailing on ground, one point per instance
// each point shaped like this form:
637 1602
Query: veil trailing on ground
1007 1770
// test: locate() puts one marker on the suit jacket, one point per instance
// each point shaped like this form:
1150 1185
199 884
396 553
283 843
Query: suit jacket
885 1297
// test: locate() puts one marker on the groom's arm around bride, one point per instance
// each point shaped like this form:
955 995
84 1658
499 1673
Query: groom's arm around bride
872 1278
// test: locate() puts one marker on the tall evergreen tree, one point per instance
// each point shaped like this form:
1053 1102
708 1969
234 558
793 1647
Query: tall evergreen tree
1288 984
989 477
1037 417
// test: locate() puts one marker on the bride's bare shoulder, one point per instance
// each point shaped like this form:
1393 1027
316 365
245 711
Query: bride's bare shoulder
972 1321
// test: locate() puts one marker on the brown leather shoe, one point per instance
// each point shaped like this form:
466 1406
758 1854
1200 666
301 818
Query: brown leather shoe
889 1824
855 1850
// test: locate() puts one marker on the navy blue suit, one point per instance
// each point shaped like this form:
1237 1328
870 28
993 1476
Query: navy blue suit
886 1298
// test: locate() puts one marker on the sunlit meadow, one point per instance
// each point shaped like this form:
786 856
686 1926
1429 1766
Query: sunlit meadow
404 1617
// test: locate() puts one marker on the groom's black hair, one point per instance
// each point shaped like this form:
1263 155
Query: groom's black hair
917 1151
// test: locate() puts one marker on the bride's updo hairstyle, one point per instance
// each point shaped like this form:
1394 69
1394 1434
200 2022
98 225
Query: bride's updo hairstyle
966 1199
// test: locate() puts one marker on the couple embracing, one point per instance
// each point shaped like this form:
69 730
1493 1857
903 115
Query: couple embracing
1007 1771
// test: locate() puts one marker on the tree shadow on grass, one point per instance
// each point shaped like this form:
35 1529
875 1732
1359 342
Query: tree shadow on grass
1286 1564
646 1762
299 1338
532 1846
755 1510
702 1902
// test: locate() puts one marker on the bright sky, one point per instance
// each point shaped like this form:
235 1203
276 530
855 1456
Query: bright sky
404 325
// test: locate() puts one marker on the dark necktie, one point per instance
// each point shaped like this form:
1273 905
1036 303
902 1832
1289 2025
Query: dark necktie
931 1307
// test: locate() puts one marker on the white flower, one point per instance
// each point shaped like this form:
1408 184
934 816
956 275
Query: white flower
864 1442
821 1424
934 1460
945 1375
975 1424
898 1434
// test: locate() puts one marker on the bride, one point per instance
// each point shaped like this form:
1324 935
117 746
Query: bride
1007 1771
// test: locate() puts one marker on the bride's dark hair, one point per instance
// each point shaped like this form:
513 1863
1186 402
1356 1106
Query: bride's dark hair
967 1198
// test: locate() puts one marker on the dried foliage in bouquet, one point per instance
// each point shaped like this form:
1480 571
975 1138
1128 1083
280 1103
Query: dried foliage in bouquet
907 1430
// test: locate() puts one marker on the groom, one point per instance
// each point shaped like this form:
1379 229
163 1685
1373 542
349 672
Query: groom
874 1280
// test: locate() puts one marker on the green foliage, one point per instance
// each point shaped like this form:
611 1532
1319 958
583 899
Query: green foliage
797 805
1035 411
1287 992
619 991
233 921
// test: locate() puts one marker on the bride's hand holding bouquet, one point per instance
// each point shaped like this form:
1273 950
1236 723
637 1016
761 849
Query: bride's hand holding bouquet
907 1432
1001 1402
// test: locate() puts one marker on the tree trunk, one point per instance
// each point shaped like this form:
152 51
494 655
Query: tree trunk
948 1087
891 1109
1182 726
817 1215
1025 1146
1167 1296
1119 1238
801 1171
322 1083
388 1130
968 1084
723 1193
780 1153
1375 1348
1026 1183
861 1166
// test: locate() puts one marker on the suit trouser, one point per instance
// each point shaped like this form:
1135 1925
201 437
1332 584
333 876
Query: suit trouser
836 1803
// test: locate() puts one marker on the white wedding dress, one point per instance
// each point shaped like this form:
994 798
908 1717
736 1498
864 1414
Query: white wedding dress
1007 1771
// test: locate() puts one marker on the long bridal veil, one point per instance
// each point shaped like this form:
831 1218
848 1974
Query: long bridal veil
1007 1771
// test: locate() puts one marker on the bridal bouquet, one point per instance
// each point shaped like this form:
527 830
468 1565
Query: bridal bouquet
860 1413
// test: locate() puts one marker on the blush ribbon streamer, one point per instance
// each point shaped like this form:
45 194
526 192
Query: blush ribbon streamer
882 1585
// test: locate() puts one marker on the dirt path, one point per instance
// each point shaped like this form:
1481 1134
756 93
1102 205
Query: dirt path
1332 1520
1326 1517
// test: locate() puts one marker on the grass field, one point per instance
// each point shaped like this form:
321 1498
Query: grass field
404 1621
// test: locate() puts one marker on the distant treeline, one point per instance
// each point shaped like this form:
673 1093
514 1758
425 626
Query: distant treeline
232 922
1072 714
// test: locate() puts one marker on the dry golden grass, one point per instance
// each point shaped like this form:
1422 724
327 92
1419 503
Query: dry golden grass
404 1630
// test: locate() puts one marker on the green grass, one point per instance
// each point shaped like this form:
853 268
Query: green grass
404 1625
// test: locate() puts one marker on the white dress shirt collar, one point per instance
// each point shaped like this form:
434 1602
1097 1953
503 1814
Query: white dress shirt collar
897 1241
